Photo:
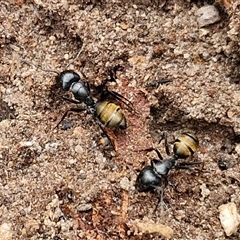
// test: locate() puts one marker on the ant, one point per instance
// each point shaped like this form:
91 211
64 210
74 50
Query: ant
104 111
154 177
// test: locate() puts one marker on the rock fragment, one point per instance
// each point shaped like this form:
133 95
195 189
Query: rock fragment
207 15
229 218
148 226
6 231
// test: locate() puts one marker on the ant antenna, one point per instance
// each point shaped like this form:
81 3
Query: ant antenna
77 56
38 66
50 70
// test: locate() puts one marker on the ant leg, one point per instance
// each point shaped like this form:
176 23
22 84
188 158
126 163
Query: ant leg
187 165
70 100
119 97
158 82
162 81
88 86
66 113
161 192
152 149
158 153
102 128
160 201
104 131
80 110
166 143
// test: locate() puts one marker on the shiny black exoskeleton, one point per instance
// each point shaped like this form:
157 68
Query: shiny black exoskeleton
70 81
148 180
154 177
105 112
108 113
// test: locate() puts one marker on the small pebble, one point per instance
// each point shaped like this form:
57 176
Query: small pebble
207 15
5 231
124 183
204 191
65 124
78 149
84 207
229 218
237 149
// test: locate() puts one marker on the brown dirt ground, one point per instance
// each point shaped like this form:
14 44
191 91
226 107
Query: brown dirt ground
63 184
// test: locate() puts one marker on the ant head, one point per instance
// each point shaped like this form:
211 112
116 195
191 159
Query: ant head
147 180
66 78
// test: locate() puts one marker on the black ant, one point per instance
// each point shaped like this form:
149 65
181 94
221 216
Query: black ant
105 112
154 177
